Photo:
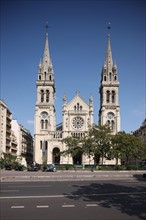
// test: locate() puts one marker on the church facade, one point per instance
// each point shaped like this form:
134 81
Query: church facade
77 115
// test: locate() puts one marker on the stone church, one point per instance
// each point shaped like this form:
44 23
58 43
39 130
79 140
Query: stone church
77 115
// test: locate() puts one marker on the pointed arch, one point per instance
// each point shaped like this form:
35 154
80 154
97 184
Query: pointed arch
112 125
45 74
113 96
42 95
46 124
110 76
42 124
108 123
47 95
56 155
108 96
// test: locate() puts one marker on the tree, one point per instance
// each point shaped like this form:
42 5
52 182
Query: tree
9 158
97 143
115 150
73 146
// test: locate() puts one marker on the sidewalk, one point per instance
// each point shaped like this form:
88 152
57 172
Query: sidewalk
17 176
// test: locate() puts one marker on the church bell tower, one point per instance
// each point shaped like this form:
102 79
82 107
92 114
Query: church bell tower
45 117
109 112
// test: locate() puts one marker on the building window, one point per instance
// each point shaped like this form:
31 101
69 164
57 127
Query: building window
108 96
78 107
47 95
46 124
42 124
108 123
45 75
41 145
46 145
104 78
110 76
113 96
112 125
42 95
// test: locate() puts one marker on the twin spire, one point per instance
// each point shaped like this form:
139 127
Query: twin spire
108 63
46 58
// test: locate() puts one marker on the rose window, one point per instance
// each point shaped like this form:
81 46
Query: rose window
77 122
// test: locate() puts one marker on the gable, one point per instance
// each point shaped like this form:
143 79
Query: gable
77 103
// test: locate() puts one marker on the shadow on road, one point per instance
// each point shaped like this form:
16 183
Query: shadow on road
128 200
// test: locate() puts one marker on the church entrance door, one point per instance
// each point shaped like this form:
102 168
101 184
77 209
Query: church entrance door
56 155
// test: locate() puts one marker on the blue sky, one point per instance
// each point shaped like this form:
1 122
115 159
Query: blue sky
77 41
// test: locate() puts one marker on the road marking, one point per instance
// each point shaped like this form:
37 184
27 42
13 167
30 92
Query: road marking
42 206
30 186
68 206
76 195
9 190
33 197
17 207
91 205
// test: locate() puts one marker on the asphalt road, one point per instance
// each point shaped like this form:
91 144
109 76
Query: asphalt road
74 200
7 176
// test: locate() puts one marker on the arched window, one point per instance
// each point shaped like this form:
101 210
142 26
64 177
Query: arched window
45 75
115 78
80 108
104 78
108 96
47 95
42 124
46 145
112 125
39 77
110 76
113 96
46 124
50 77
77 106
42 95
41 145
108 123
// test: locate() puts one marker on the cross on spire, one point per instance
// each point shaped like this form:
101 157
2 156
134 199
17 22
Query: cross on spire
46 26
109 26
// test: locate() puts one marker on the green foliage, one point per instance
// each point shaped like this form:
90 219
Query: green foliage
97 143
100 143
73 145
9 158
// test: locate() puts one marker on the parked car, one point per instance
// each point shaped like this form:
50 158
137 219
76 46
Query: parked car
8 166
32 167
50 168
19 167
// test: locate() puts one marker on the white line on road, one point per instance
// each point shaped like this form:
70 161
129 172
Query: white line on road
30 186
33 197
68 206
42 206
76 195
17 207
91 205
9 190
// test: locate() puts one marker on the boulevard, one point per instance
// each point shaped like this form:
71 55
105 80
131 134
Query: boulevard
79 199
